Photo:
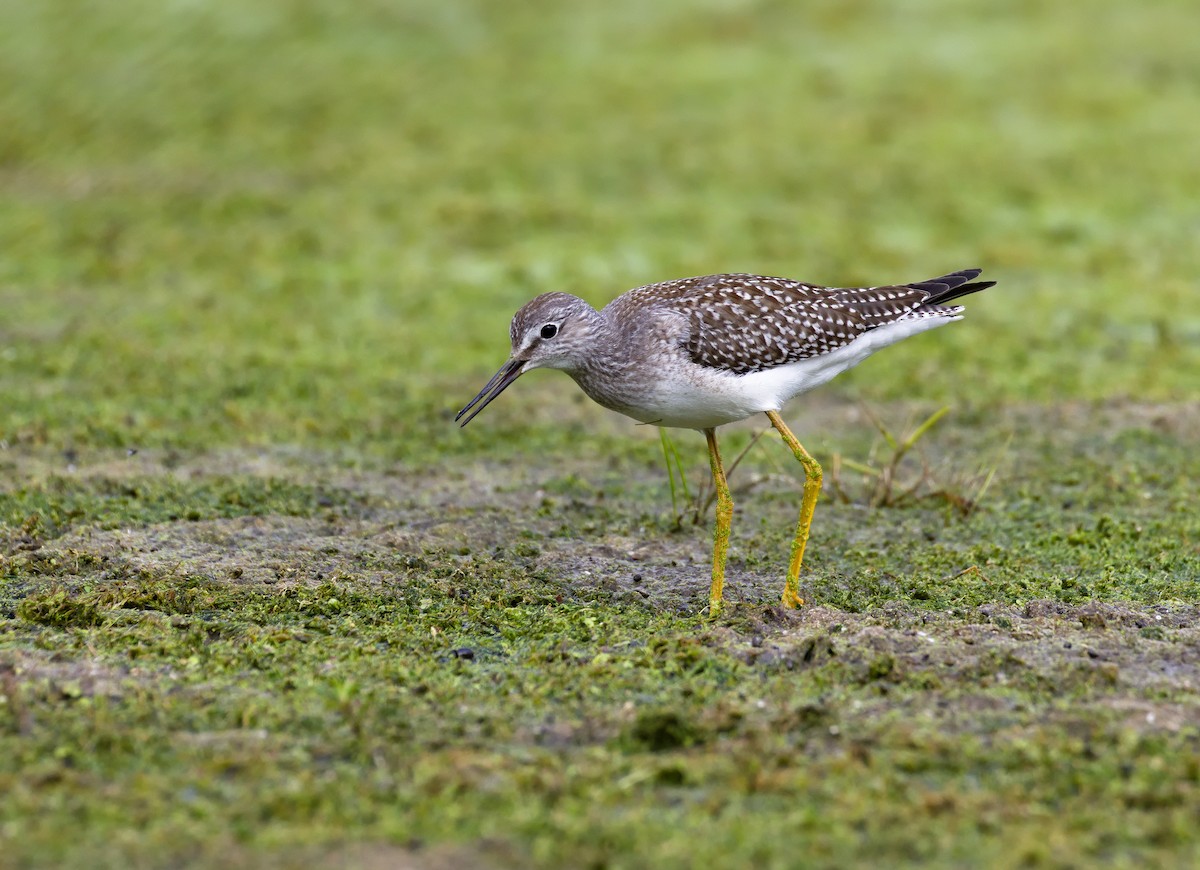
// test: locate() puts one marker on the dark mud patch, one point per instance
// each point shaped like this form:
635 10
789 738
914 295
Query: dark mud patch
1148 657
67 679
270 550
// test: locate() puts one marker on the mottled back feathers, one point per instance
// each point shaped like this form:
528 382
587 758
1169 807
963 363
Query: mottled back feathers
748 323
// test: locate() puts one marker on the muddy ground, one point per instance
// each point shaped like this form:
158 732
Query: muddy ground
572 534
1059 616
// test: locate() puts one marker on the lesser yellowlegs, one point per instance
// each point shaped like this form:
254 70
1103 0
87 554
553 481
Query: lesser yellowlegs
701 352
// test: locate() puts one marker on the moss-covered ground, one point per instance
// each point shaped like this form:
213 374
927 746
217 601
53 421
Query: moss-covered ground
262 604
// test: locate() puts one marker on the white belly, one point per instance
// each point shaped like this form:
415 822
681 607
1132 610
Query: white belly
701 398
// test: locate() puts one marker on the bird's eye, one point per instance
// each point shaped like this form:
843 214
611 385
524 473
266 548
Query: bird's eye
549 330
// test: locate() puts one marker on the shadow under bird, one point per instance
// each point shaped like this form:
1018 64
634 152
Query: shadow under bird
697 353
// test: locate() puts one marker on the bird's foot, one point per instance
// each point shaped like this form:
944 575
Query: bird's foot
792 599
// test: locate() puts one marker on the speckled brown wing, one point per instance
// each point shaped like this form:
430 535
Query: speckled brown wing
746 323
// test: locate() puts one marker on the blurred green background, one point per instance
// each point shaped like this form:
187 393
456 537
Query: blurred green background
302 222
304 227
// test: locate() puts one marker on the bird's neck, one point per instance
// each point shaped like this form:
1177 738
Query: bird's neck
603 349
608 370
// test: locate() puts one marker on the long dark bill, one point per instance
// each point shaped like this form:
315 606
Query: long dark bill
497 385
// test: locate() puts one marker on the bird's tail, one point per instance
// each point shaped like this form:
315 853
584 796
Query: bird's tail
950 287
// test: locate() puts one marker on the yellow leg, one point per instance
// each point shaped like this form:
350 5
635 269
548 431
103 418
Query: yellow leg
808 504
724 520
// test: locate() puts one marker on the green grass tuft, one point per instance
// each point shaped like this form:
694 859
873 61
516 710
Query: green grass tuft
60 609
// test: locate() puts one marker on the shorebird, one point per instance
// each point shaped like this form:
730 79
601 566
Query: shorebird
697 353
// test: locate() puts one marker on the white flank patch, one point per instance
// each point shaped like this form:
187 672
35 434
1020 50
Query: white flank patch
711 398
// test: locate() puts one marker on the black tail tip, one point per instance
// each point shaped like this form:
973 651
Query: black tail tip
953 286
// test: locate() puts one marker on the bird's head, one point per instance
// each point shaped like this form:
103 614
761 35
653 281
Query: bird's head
553 331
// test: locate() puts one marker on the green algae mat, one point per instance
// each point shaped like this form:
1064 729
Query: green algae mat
263 605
